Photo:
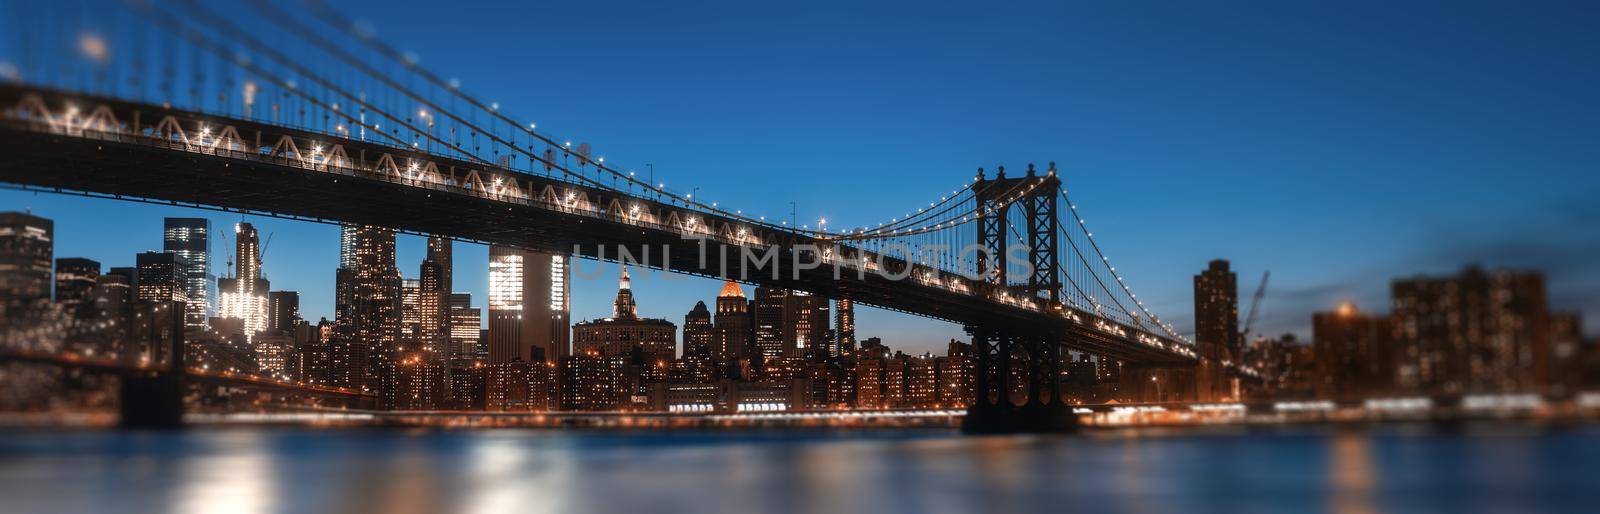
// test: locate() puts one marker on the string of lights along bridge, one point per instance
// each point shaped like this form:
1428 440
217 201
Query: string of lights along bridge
307 114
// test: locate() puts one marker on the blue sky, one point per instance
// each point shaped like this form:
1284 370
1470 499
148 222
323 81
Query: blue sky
1337 144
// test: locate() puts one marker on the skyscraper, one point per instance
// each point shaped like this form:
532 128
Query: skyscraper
75 279
768 313
465 331
190 238
733 327
433 298
1216 323
161 277
26 247
366 337
699 336
528 305
244 295
283 311
625 334
844 329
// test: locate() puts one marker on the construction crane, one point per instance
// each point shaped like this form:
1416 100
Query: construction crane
1255 303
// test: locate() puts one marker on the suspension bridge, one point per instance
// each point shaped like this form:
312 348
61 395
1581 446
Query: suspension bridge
308 115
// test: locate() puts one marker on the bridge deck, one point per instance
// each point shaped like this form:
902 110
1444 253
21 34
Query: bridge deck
129 161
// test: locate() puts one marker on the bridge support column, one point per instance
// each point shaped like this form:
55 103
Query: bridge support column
994 410
154 398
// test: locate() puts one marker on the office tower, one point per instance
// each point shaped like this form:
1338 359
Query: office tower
768 314
433 298
625 334
1479 331
191 239
699 336
465 331
528 305
1216 322
283 311
112 294
365 338
441 252
805 326
410 316
244 295
26 246
75 279
161 277
1355 354
733 328
347 245
844 329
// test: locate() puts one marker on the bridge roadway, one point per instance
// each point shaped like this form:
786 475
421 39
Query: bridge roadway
69 143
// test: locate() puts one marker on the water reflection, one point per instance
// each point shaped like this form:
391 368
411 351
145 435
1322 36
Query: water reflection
1299 470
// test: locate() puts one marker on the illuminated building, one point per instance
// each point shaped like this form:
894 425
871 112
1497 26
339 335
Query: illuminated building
922 382
732 327
75 278
869 384
1216 322
699 335
26 248
283 311
506 386
956 378
1355 354
160 277
467 387
367 327
274 354
1478 331
593 383
190 238
433 330
419 384
244 296
844 329
625 334
894 382
465 331
529 296
792 324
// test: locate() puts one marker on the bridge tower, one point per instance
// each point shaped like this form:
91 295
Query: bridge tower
1007 353
153 398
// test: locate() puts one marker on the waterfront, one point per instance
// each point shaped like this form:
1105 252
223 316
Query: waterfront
1390 468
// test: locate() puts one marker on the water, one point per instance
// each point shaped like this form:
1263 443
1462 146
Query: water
1388 469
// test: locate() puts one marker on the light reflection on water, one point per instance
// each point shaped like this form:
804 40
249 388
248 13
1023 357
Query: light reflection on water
1493 469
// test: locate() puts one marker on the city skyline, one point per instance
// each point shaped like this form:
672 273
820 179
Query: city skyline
1393 176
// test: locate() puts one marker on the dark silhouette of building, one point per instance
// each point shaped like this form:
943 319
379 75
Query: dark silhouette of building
1478 331
283 311
1355 354
75 281
699 335
161 277
1216 323
27 244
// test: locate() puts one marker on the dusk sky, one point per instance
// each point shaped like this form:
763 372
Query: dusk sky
1338 145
